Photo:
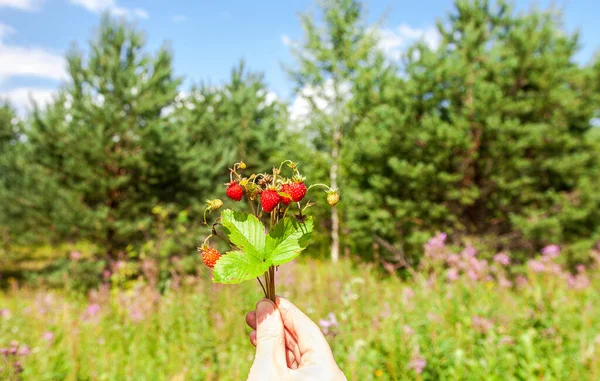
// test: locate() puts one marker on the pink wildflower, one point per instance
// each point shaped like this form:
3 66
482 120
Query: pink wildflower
551 251
48 336
417 363
482 325
329 323
536 266
502 259
452 274
75 255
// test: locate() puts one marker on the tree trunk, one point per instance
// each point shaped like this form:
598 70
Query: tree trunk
335 221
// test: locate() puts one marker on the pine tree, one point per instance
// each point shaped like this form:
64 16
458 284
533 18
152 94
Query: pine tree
106 141
485 136
239 120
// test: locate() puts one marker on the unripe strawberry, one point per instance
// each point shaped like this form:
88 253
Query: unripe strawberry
235 191
269 200
297 190
333 197
214 204
210 256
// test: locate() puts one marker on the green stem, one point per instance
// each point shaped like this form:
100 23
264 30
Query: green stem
327 187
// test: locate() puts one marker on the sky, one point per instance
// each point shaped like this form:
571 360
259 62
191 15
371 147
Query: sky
209 37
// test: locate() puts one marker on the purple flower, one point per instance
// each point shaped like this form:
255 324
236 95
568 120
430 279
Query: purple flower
328 324
136 314
91 311
24 351
469 252
5 313
578 282
536 266
504 283
434 248
408 330
48 336
551 251
407 294
417 363
521 281
506 340
481 324
75 255
502 259
452 274
453 259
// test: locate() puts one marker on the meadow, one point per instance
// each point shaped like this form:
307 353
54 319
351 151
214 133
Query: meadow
455 317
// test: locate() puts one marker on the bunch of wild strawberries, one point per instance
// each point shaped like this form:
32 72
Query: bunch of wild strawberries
274 192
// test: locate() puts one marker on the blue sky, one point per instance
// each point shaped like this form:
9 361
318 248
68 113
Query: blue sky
209 37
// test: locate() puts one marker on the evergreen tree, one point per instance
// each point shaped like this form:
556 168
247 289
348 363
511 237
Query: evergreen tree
105 140
485 136
240 120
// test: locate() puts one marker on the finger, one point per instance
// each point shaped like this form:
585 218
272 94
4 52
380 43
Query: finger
291 345
307 334
292 362
251 319
270 334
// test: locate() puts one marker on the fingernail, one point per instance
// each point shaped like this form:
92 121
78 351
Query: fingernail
264 308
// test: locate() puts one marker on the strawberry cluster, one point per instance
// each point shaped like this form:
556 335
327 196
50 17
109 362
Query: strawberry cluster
273 189
274 192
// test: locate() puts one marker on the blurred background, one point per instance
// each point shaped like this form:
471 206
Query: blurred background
463 135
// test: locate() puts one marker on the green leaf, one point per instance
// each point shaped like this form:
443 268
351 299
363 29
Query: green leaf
236 267
287 239
246 232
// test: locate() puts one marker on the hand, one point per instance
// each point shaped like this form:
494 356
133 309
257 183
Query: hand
289 346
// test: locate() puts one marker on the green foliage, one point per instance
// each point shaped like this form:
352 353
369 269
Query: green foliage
485 134
333 54
489 134
543 331
105 141
258 250
240 120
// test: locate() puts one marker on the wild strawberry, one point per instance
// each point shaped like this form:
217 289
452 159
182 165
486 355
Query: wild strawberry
297 190
269 200
210 256
333 197
235 191
285 188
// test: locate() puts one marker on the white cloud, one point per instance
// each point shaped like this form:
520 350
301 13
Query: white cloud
287 41
98 6
177 19
322 98
24 5
393 42
22 98
28 61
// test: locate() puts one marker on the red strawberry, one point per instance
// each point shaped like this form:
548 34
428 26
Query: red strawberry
235 191
297 190
269 200
285 188
210 256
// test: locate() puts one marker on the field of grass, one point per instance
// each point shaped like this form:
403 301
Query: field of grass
441 326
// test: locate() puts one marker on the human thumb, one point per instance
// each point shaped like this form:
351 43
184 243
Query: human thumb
270 337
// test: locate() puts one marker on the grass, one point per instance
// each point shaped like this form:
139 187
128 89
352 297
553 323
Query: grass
388 329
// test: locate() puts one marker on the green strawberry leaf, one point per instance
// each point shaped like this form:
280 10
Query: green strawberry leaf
287 239
236 267
246 232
